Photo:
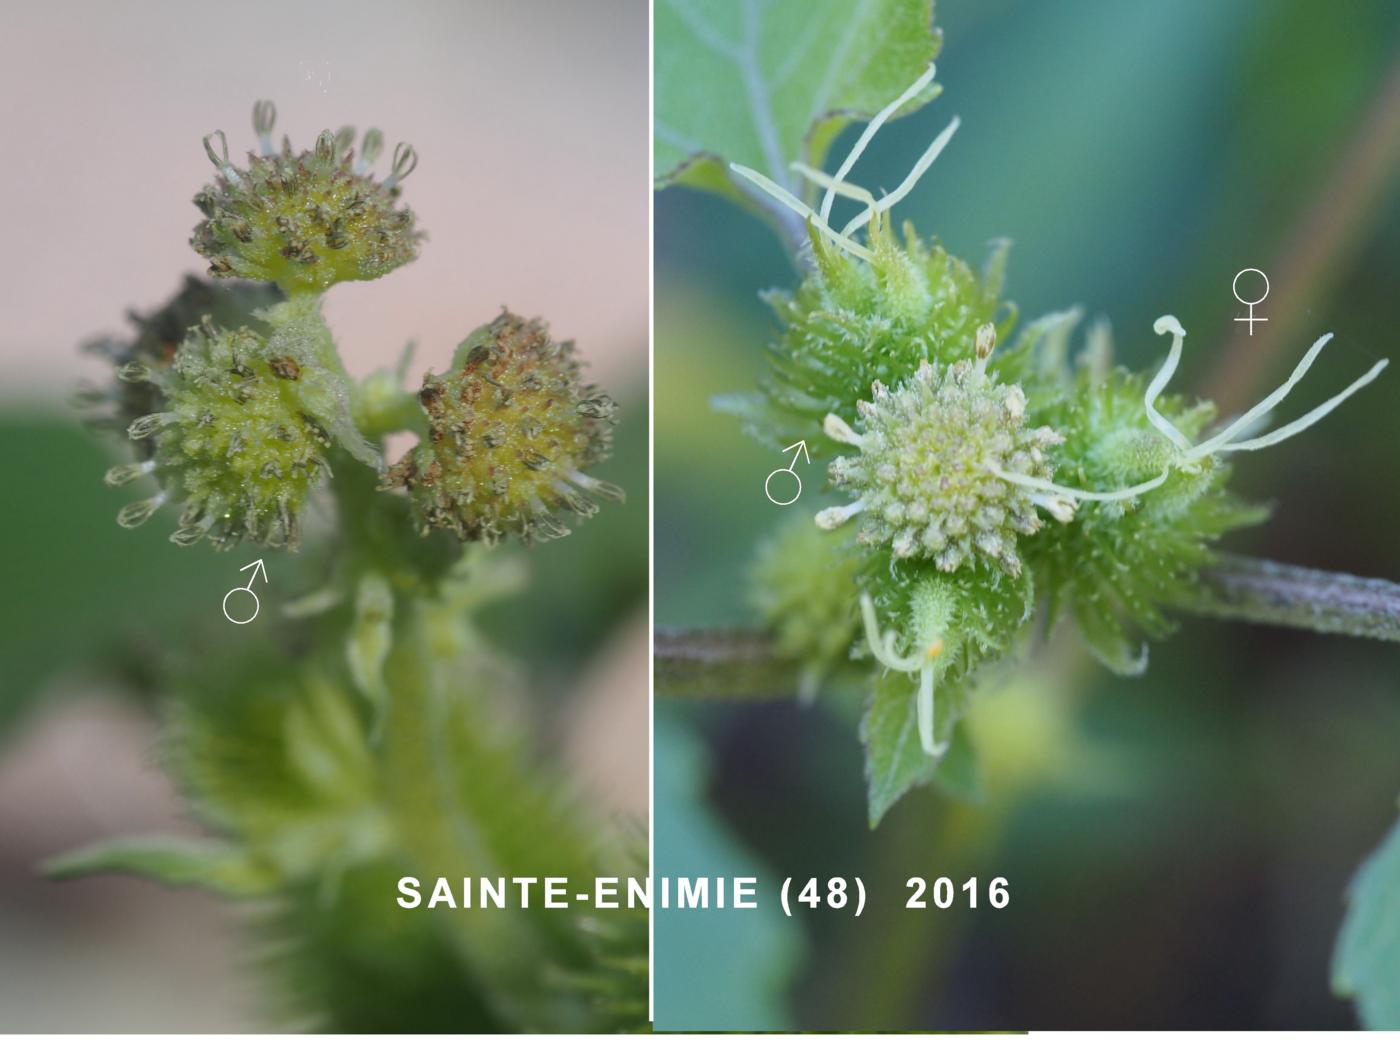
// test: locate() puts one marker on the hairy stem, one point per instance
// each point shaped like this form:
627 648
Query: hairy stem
1258 591
741 664
724 663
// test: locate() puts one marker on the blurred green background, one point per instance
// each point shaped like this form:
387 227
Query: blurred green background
1178 846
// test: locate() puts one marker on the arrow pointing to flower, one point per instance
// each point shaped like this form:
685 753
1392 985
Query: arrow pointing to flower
801 447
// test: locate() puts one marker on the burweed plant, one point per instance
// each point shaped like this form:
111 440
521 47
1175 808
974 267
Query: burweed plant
377 737
995 480
985 482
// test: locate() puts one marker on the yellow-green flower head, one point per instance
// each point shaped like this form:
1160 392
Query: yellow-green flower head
305 220
237 443
926 479
157 337
511 428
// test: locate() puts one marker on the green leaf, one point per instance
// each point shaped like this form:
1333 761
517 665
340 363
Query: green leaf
895 761
1366 965
765 84
172 861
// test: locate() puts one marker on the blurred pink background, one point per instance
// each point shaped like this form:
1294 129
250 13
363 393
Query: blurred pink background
530 119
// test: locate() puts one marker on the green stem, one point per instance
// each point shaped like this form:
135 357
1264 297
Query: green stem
1253 590
726 663
721 664
430 729
741 664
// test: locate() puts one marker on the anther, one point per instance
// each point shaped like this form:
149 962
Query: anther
220 159
838 429
133 515
370 148
405 160
134 371
264 119
835 516
149 424
128 472
985 341
602 488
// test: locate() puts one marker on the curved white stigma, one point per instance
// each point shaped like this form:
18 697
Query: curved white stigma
849 190
1229 439
1224 441
1077 494
882 647
785 198
892 198
875 124
837 185
1164 324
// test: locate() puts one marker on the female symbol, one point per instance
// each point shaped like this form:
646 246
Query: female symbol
1251 320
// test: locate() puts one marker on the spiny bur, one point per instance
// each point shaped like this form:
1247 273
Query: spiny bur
812 613
851 324
510 430
305 220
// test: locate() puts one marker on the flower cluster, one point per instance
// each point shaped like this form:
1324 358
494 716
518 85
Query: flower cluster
235 442
305 220
961 449
511 427
922 477
305 750
157 337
